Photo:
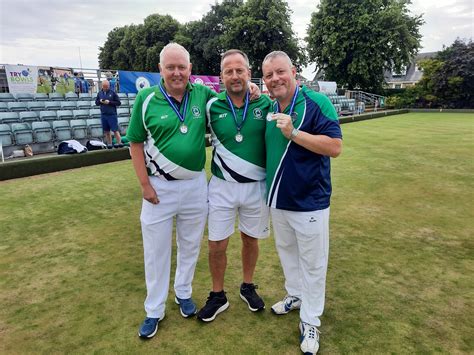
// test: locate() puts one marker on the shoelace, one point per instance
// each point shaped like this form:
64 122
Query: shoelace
312 331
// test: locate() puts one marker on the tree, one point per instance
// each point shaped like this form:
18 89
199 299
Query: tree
262 26
355 41
106 53
137 47
448 79
203 38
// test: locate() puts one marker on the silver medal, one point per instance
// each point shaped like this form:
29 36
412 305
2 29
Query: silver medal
183 129
239 137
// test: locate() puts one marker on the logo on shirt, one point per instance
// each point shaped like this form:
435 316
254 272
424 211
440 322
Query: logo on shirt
164 117
223 115
196 111
312 220
257 113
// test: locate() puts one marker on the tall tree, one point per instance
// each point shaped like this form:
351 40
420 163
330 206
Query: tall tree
137 47
355 41
106 53
203 38
262 26
448 79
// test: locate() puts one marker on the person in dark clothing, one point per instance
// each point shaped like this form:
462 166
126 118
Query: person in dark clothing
108 101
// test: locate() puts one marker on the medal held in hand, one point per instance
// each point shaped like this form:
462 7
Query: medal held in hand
183 129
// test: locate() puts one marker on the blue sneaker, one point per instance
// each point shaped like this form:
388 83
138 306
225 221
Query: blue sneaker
186 306
148 328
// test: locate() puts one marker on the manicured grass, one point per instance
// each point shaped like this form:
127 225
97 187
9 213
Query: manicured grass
400 270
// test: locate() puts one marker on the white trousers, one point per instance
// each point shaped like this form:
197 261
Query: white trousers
302 242
187 201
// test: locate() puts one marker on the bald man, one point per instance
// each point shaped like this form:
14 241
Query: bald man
108 101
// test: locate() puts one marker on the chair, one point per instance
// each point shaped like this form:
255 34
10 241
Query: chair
6 135
41 96
131 95
78 129
93 105
3 106
68 105
82 105
130 103
35 105
23 96
55 96
123 112
28 116
85 96
17 106
80 114
124 103
71 96
9 117
62 130
122 95
52 105
42 132
94 126
64 115
94 113
123 124
6 97
48 116
22 133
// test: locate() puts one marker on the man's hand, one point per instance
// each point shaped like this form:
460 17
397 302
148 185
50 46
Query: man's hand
283 122
254 91
149 194
106 102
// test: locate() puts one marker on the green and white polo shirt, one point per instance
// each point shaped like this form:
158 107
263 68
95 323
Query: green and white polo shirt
238 161
170 154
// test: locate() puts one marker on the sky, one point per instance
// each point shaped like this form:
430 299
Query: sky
68 33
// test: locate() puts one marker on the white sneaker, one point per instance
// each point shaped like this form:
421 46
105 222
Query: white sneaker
288 304
309 338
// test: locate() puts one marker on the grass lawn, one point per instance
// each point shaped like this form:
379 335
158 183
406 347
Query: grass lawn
400 270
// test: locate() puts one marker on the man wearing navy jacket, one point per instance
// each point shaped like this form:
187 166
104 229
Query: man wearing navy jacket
108 101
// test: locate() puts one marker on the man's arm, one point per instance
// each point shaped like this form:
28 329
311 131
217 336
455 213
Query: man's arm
97 99
316 143
116 100
138 160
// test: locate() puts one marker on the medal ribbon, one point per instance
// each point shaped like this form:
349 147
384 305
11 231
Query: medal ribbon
231 105
173 106
276 106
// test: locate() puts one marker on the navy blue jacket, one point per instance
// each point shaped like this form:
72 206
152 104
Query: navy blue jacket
111 108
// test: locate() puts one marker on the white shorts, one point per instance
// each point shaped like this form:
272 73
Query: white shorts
247 199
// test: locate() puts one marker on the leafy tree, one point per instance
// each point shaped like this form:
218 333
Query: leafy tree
137 47
448 80
106 53
452 80
262 26
203 38
355 41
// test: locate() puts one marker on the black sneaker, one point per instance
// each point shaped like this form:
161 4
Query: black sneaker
216 303
250 296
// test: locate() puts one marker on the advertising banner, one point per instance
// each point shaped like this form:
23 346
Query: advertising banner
52 79
21 78
211 81
134 81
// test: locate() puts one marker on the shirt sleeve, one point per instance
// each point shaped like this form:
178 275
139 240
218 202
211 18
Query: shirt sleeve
327 122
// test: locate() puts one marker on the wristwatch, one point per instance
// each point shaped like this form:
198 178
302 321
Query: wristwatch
294 133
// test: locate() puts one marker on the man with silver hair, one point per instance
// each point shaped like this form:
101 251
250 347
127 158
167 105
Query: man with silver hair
167 146
301 137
